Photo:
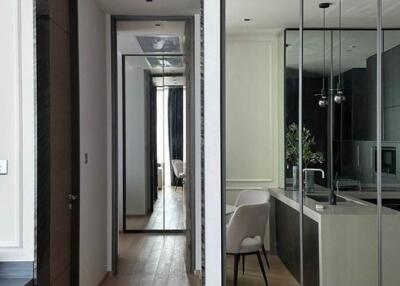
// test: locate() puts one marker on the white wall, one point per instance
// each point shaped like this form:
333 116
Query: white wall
17 125
93 112
254 113
212 143
135 136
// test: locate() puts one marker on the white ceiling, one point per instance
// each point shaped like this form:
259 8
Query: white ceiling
274 15
156 7
357 47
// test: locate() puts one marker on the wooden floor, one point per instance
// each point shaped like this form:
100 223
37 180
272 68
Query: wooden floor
147 260
174 212
278 275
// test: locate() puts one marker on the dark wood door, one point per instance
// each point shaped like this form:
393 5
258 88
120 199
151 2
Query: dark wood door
58 144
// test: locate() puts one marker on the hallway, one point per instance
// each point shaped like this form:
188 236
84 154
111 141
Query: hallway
148 260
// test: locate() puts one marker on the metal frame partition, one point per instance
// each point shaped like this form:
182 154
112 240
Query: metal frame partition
379 136
300 129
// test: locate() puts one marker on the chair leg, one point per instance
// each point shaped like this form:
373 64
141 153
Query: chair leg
175 183
243 263
266 257
262 267
236 266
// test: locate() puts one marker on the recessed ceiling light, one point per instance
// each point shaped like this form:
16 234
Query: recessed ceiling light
246 19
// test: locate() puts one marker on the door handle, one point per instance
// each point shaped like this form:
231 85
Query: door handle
72 197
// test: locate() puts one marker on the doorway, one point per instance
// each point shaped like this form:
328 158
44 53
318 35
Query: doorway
153 126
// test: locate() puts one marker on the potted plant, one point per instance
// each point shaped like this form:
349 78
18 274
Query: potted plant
309 156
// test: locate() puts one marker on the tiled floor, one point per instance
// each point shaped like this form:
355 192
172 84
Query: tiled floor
174 212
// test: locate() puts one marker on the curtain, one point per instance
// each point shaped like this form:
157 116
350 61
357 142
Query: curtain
175 126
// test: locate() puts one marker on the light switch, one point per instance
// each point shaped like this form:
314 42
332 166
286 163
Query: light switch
3 167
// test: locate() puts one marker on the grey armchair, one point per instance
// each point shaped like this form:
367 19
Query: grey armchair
244 233
254 197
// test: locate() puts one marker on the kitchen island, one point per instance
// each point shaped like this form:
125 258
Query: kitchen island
340 241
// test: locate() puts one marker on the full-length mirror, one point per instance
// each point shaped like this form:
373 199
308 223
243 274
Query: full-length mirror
155 90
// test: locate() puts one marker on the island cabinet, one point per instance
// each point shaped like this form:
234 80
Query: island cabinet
288 243
339 242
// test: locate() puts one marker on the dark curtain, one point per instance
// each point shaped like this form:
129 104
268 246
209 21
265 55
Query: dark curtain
175 125
153 141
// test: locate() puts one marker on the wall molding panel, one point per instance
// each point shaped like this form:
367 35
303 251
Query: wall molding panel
253 112
17 117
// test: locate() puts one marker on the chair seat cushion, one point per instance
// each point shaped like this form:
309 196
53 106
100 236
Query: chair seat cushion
250 244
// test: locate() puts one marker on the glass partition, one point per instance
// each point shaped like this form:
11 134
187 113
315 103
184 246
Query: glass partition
390 149
335 217
340 229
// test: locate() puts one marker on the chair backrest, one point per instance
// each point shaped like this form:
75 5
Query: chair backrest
247 221
177 166
246 197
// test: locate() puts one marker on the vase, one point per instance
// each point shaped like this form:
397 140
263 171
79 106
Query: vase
309 182
295 172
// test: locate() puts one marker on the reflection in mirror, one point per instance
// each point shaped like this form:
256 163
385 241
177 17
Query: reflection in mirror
155 90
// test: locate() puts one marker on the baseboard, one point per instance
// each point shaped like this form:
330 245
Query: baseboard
16 269
109 273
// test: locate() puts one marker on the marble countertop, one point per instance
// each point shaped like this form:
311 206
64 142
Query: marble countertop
353 206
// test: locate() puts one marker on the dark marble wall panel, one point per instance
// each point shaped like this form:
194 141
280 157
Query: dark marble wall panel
43 142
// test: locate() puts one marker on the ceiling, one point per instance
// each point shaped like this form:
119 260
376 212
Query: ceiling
273 15
357 47
156 7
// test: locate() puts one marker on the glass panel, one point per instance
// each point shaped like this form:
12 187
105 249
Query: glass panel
175 191
144 98
339 121
255 136
390 143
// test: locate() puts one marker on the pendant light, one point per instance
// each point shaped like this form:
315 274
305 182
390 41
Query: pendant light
339 97
323 101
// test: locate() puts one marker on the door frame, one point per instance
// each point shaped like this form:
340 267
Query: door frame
75 125
114 125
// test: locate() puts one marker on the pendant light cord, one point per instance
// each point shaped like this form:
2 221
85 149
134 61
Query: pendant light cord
340 44
324 71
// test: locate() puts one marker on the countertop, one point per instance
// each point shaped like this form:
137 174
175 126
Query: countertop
356 207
